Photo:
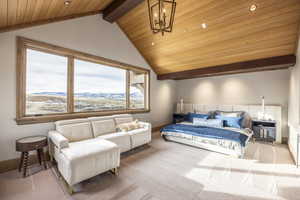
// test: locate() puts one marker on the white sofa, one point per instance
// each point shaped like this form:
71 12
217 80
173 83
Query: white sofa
86 147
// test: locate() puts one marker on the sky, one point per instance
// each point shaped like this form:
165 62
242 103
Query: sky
48 73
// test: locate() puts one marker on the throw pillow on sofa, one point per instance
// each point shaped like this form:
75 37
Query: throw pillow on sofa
129 126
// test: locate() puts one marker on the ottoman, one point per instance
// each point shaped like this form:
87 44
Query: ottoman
88 158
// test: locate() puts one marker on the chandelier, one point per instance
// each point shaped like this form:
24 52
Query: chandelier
161 15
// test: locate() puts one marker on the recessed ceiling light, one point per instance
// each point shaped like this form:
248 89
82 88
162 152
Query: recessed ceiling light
253 7
152 43
204 26
67 2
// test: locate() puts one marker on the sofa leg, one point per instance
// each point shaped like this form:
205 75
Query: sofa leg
115 171
70 190
51 158
67 186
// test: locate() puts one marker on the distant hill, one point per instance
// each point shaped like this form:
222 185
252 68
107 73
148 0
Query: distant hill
91 95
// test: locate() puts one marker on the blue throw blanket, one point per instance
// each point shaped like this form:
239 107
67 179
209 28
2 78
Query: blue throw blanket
207 132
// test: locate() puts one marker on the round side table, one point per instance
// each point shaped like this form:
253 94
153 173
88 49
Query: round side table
32 143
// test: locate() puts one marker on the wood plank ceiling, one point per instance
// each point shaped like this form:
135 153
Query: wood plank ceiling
21 13
233 34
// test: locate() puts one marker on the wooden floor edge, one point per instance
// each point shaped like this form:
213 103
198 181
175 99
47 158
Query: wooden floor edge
12 164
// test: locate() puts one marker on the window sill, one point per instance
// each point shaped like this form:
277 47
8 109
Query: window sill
56 117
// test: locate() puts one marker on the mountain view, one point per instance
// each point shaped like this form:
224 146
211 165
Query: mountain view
56 102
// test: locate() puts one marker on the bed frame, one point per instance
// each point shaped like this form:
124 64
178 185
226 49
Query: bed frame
273 112
197 141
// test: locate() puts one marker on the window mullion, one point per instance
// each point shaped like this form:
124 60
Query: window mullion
146 86
127 89
70 92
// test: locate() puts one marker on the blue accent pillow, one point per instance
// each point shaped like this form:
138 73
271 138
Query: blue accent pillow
234 122
216 123
191 116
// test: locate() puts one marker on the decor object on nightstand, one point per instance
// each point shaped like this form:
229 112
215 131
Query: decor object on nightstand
263 107
32 143
262 114
181 106
264 130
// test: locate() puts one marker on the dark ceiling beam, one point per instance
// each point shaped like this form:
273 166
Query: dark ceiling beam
266 64
118 8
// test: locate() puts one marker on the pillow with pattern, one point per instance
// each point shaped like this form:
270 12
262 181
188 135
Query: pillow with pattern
234 122
129 126
216 123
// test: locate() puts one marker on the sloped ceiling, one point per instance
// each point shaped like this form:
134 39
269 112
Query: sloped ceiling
16 14
233 34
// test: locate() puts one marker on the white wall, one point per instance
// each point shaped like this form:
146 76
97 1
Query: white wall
294 105
294 100
239 89
88 34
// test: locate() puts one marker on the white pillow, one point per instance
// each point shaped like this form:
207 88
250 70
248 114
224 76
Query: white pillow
197 121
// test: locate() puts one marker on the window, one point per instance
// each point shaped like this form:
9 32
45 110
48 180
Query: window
46 81
137 90
55 83
98 87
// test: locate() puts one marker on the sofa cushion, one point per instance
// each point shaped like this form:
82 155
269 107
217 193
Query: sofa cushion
87 148
85 159
122 139
102 125
70 121
75 130
121 119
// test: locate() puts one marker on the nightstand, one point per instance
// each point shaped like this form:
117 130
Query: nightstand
264 130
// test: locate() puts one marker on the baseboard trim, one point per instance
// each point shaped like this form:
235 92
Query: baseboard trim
12 164
284 140
157 128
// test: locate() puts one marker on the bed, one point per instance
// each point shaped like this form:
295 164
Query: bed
226 140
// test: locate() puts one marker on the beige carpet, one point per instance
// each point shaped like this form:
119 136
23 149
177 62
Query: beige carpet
170 171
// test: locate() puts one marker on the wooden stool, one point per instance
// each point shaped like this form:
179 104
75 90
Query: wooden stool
33 143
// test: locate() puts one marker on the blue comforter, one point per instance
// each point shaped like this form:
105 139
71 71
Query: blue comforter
207 132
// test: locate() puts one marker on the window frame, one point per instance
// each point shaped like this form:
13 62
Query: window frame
21 118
